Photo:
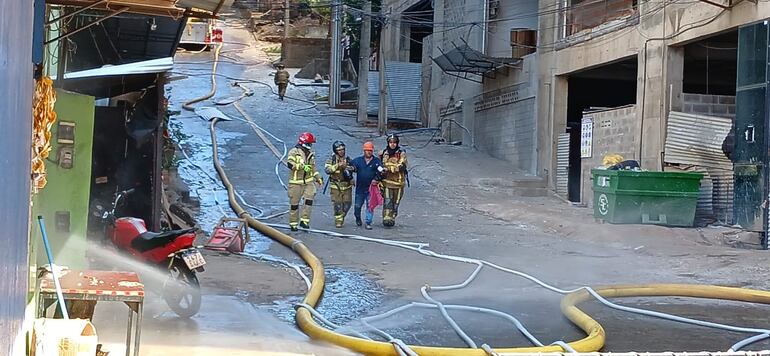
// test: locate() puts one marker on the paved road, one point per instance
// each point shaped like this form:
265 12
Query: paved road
447 208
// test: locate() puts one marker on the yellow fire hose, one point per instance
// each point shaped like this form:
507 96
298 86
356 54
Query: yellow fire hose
594 340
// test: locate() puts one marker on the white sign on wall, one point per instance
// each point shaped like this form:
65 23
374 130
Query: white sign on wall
586 137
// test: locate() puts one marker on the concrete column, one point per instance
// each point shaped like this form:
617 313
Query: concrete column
469 121
674 79
559 90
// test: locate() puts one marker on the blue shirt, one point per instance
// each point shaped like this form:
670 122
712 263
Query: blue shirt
365 173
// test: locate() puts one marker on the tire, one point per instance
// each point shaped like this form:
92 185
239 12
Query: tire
182 291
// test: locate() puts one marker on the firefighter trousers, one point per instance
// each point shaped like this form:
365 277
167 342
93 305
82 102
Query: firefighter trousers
342 200
298 192
392 197
282 89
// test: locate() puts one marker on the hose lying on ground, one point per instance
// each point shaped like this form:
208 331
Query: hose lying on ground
593 342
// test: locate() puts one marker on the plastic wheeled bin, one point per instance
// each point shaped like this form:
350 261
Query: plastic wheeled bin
639 197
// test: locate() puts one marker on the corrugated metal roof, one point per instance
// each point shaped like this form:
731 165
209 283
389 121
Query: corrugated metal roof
145 7
208 113
159 65
404 84
696 140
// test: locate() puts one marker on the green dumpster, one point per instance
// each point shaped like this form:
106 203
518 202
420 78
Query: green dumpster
638 197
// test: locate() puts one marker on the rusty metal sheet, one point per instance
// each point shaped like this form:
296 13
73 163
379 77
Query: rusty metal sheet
144 7
95 283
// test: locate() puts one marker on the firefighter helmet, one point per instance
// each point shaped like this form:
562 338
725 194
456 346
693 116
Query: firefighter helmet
306 138
338 145
393 138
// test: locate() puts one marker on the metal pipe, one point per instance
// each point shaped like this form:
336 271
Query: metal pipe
54 275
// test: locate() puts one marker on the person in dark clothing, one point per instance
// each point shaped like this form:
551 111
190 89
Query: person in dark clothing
728 145
366 168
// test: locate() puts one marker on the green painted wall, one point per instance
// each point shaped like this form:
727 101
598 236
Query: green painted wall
67 189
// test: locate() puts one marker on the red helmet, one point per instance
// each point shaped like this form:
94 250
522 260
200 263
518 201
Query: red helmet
306 138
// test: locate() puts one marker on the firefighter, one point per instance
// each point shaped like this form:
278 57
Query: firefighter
281 80
394 176
302 176
341 182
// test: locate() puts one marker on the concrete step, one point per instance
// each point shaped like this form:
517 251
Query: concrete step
519 186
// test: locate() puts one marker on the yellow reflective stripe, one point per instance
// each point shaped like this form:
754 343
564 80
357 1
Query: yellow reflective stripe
400 182
336 186
331 168
300 181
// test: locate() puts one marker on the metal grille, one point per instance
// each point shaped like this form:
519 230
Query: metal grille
562 164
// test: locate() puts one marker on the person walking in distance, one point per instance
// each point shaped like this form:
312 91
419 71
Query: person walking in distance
340 181
394 176
302 177
366 168
281 80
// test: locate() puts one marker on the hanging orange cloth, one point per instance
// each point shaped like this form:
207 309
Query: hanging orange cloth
43 118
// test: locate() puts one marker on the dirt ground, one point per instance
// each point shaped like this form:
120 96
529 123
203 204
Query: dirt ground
459 203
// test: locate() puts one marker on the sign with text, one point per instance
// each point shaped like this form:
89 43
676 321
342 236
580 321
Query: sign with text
586 137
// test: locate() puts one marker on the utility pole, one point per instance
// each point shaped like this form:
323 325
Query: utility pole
363 68
335 61
382 115
286 20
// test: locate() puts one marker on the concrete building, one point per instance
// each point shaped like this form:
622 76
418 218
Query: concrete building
604 76
477 86
655 61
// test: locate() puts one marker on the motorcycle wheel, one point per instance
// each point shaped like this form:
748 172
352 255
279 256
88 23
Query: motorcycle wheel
182 291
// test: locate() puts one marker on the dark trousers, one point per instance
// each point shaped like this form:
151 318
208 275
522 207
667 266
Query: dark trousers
362 200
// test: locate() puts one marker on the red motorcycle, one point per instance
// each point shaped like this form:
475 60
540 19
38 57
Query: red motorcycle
169 250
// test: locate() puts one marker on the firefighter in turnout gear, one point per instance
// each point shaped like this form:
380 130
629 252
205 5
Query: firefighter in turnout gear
394 171
340 181
302 179
281 80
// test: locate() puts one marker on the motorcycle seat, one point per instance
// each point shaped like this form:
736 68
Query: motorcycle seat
149 240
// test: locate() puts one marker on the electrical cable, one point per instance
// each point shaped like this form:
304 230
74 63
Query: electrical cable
592 342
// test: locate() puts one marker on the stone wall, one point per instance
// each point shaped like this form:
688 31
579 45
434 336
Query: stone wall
711 105
614 131
504 125
301 51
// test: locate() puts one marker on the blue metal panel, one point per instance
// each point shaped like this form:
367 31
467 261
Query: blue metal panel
38 32
16 86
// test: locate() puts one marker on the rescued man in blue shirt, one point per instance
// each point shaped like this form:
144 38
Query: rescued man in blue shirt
367 169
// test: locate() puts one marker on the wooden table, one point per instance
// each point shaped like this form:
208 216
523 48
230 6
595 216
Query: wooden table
96 286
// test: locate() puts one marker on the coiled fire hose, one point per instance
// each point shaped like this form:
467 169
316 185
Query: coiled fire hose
593 342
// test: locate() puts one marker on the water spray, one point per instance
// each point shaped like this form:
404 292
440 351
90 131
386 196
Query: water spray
54 268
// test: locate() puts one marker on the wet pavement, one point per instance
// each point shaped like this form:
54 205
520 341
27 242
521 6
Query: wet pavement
249 299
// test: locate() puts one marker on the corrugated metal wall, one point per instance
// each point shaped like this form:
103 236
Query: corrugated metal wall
562 164
696 140
16 86
404 83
